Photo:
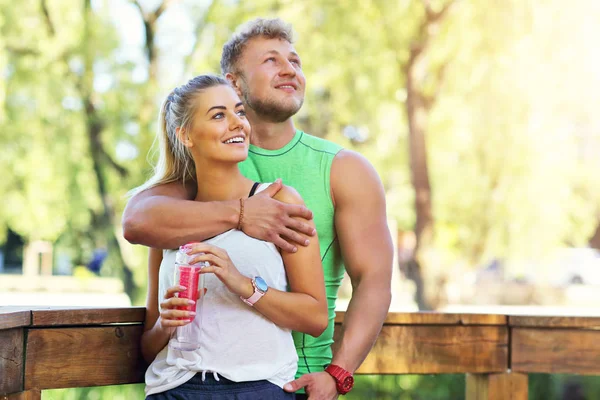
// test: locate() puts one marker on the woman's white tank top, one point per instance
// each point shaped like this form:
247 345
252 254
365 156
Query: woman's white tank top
237 342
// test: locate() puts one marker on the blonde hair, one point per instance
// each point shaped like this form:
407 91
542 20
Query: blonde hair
175 162
274 28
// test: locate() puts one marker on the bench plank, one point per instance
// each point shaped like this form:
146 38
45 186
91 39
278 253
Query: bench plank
434 318
11 318
555 322
77 347
87 316
556 351
402 349
27 395
88 356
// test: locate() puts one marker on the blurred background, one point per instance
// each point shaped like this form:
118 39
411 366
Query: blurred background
481 116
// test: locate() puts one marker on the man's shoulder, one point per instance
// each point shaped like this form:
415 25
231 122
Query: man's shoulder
319 144
351 171
348 160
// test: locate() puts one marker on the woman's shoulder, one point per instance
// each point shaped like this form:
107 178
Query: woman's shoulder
288 194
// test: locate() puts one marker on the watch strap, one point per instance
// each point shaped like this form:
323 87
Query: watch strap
255 296
344 380
253 299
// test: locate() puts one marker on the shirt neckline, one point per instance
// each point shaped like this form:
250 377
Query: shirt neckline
277 152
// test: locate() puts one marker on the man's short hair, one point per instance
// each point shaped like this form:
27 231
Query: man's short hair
274 28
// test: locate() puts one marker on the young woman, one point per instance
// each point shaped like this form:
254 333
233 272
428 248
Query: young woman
248 314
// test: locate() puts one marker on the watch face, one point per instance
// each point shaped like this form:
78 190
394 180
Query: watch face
261 284
347 384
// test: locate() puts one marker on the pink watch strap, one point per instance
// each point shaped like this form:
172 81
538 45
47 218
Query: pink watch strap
253 299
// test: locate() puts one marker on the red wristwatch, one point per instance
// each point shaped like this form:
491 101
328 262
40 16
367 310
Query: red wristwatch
344 381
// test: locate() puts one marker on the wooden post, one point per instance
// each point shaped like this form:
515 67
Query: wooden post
11 360
26 395
507 386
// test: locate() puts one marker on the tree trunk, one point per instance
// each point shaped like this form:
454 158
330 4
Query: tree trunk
417 118
594 241
412 271
417 107
105 221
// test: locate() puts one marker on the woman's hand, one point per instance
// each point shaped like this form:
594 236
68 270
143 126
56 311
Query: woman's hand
221 265
170 316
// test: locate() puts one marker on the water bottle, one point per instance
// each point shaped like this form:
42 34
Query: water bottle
187 337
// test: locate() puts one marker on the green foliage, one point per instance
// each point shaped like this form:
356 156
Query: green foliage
121 392
557 387
408 387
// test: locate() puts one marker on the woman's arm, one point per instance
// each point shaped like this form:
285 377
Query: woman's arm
304 309
159 324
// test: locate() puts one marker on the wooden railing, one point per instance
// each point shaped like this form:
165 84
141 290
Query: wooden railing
64 348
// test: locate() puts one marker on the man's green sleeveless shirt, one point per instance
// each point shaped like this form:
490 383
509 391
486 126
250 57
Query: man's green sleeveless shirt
305 164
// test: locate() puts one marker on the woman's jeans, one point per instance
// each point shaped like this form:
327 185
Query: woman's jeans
223 389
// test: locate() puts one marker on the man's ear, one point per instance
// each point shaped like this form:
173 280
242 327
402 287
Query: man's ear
234 80
183 137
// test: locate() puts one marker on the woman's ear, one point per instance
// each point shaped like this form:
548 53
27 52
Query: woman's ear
183 137
235 82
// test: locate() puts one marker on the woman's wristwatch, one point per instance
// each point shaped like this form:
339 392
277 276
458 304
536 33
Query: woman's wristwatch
260 288
344 381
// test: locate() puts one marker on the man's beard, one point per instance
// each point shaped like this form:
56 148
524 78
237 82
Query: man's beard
270 109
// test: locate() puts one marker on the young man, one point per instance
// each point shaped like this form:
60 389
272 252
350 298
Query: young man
339 186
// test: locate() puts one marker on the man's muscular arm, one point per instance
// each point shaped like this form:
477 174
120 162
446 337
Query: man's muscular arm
165 217
367 250
361 226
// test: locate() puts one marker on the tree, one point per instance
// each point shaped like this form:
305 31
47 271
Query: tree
450 100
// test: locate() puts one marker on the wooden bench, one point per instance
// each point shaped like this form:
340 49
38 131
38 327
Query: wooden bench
47 348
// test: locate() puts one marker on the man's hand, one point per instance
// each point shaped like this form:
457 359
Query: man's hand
318 386
273 221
